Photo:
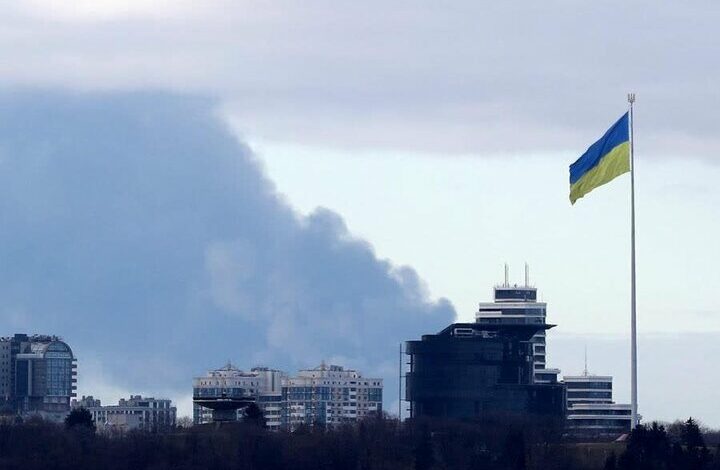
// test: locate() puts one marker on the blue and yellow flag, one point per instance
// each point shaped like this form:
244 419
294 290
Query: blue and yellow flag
605 160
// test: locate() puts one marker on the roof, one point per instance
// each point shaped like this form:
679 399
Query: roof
54 346
497 327
588 378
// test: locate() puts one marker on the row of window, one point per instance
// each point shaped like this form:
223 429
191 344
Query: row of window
217 392
589 385
607 423
576 394
513 321
604 412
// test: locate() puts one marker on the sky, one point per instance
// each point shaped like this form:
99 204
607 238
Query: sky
418 145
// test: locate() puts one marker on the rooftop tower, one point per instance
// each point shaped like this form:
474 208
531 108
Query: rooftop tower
518 305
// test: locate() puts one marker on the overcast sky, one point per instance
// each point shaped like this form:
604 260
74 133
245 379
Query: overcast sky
441 134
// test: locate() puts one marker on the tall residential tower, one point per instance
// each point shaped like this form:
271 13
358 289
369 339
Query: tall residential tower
518 305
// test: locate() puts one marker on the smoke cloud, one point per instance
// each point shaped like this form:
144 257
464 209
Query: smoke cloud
136 226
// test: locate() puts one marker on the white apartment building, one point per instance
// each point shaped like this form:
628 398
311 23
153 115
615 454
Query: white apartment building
325 395
260 384
330 395
270 398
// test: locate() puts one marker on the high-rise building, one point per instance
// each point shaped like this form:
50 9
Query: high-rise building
518 304
6 376
495 365
330 395
10 347
228 390
591 410
136 413
37 375
270 396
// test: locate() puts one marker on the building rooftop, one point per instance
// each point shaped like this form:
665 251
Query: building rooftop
469 330
32 338
588 378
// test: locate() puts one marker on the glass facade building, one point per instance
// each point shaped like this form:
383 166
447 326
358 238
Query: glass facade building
472 370
38 375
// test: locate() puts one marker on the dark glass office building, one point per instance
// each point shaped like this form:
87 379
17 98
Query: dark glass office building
472 370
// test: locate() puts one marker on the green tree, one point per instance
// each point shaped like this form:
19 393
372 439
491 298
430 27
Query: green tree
696 454
691 436
254 415
80 418
648 449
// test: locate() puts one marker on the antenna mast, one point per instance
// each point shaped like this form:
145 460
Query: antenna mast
507 281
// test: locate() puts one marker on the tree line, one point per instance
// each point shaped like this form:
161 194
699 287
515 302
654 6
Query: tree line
500 442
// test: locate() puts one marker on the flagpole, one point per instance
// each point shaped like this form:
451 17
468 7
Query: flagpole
633 311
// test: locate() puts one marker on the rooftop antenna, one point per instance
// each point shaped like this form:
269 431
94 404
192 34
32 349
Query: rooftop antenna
507 281
527 275
585 371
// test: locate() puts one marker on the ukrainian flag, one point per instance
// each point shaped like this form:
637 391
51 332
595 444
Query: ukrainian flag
604 161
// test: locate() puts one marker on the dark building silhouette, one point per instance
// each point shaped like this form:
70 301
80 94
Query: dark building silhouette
471 370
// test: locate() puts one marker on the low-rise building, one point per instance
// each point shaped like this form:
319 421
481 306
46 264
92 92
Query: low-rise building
591 412
135 413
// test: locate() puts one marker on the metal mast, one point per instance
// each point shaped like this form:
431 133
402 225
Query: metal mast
633 312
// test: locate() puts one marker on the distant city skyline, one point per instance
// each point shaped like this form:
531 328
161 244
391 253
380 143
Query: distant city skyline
215 177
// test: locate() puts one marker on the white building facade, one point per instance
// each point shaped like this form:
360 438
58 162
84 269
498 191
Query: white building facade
330 395
260 384
591 412
325 396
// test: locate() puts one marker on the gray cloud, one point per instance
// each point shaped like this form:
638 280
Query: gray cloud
140 229
463 76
